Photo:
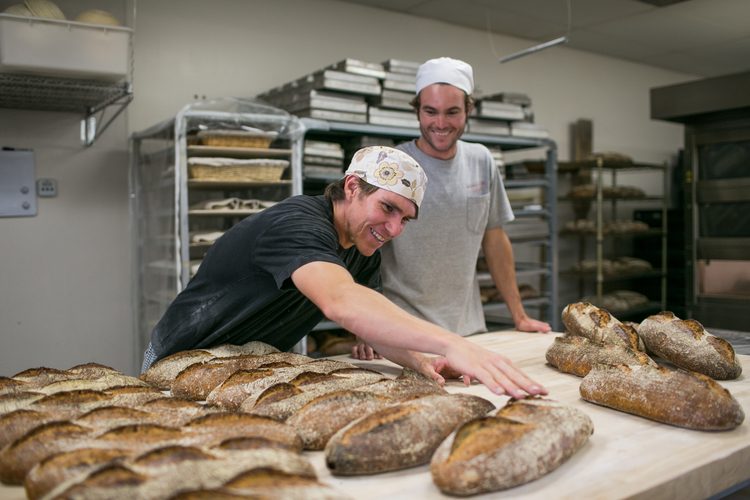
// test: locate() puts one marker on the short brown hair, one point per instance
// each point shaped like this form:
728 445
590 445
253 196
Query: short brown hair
335 190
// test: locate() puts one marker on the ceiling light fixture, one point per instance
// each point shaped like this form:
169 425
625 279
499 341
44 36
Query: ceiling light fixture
541 46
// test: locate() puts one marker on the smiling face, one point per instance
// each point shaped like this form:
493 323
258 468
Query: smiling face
442 119
369 221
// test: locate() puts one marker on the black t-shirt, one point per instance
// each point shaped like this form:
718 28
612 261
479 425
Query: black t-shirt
243 289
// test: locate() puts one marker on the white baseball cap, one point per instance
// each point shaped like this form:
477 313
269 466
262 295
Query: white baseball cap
446 70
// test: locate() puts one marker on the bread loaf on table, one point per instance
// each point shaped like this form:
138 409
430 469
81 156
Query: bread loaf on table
281 408
199 379
400 436
688 345
266 484
577 355
513 445
587 320
17 459
163 472
245 384
671 396
163 372
323 416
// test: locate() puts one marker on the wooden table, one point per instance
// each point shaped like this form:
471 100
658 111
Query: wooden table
626 457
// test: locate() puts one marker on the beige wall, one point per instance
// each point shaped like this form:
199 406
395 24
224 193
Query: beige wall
65 274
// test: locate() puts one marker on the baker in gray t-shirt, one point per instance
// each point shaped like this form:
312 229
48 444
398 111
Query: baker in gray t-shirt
431 270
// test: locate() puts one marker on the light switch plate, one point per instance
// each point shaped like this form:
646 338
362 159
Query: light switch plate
17 193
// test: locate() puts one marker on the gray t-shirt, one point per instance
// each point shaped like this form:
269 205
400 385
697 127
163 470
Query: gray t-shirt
430 269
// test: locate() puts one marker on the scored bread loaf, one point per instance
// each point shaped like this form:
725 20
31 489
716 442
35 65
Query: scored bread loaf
513 445
199 379
687 344
577 355
323 416
671 396
265 483
400 436
587 320
280 408
163 372
244 384
162 472
17 459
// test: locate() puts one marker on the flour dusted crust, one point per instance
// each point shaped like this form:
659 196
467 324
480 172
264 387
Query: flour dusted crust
671 396
197 380
513 445
577 355
163 472
400 436
249 384
162 373
687 344
295 396
587 320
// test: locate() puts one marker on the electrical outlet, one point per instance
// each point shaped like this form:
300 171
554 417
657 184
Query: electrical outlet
46 188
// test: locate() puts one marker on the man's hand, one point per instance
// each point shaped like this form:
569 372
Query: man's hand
360 350
493 370
527 324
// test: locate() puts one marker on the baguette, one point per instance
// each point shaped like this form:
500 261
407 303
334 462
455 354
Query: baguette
587 320
685 343
400 436
577 355
513 445
671 396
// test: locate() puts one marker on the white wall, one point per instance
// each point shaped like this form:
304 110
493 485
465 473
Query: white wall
65 274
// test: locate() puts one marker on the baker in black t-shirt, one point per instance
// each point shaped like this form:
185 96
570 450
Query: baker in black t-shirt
273 276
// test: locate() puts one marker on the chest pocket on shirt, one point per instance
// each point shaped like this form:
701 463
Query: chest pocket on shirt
477 211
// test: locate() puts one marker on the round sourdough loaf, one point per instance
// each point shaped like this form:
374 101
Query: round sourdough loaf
688 345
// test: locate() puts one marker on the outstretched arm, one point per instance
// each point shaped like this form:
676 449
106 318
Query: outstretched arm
377 321
498 252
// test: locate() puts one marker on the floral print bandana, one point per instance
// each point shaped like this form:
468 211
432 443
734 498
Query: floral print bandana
390 169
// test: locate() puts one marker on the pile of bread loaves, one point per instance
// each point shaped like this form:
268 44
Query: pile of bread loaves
617 363
232 422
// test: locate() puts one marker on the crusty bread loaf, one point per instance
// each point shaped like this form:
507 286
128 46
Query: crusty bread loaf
688 345
518 443
163 372
254 348
208 430
245 384
400 436
162 472
266 483
323 416
280 408
587 320
199 379
672 396
576 355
